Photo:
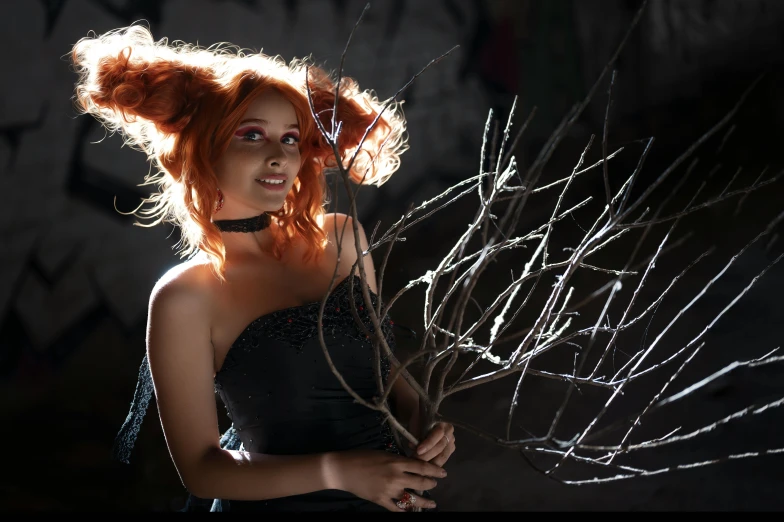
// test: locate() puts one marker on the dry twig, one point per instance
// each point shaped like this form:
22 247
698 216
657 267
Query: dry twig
448 335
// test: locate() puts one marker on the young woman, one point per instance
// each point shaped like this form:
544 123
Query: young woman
241 172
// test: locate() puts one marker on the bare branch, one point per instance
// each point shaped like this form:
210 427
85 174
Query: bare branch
604 148
703 205
450 308
334 133
677 467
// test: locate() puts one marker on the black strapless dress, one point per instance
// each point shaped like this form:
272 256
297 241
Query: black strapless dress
283 399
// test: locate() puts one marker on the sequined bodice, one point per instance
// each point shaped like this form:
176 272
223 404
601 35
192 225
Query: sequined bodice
283 398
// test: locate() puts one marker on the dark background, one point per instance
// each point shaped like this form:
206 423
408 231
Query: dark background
75 275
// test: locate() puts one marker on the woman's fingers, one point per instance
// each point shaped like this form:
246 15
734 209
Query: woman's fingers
390 505
422 483
424 468
434 450
443 448
442 434
434 437
418 501
425 503
441 458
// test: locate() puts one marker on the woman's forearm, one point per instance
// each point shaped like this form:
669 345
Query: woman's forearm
241 475
407 412
406 406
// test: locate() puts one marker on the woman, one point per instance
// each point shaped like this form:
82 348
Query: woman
241 172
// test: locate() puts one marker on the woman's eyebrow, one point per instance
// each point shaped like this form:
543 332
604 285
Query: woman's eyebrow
265 122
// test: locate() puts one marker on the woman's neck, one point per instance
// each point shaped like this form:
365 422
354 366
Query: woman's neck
244 225
246 236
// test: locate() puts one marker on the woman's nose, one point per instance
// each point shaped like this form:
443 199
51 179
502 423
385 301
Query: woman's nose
275 156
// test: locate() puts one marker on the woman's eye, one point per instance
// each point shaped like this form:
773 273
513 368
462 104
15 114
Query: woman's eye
253 136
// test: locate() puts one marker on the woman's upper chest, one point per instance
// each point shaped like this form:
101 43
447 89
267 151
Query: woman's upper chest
257 288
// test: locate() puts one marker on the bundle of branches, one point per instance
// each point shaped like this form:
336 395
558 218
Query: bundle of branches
451 346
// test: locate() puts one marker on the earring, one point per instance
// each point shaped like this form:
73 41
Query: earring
219 204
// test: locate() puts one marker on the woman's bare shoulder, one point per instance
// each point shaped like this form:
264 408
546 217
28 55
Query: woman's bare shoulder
190 284
347 240
342 224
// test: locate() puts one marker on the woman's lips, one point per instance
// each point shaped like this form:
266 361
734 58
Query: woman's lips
275 187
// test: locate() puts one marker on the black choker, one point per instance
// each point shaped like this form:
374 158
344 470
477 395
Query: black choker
252 224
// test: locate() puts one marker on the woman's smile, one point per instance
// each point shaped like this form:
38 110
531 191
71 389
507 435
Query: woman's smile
273 184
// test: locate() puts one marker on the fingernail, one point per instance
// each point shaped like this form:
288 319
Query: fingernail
420 451
443 473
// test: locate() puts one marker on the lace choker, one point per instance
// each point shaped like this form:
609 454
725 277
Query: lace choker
252 224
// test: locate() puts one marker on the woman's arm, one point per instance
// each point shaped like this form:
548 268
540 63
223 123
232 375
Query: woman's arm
181 357
407 406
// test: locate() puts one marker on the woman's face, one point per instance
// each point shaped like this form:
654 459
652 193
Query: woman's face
263 159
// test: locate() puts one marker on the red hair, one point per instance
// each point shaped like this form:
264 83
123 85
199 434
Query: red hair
180 104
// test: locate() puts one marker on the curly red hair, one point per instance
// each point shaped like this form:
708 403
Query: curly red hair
180 105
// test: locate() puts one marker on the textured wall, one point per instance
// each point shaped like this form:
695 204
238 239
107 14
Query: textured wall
681 45
76 253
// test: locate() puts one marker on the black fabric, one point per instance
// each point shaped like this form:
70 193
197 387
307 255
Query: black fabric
283 399
126 438
252 224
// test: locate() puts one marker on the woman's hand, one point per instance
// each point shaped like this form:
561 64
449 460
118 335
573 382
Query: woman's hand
382 477
438 446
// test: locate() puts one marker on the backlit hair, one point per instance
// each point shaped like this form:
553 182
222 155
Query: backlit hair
180 104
